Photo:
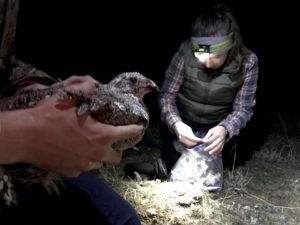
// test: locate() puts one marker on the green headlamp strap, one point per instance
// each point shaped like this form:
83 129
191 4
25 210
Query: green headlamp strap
212 44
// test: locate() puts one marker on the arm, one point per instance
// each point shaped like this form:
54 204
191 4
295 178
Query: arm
241 113
49 136
167 100
52 136
244 101
170 88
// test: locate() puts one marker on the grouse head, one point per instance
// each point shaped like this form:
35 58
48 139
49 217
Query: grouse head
133 83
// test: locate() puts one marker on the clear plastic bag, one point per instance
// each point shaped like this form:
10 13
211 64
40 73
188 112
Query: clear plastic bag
198 167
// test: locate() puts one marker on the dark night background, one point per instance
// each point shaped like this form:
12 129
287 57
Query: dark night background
89 37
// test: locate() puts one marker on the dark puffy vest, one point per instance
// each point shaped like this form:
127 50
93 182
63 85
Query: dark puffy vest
207 96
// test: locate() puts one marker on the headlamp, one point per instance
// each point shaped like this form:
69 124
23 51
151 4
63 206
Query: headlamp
212 44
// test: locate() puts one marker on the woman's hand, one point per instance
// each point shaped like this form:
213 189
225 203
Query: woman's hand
215 138
185 134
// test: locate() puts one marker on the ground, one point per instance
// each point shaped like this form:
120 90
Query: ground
265 191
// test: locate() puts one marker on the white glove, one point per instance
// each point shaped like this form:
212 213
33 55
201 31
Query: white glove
185 134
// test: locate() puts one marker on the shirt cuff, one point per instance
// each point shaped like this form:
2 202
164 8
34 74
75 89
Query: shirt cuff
227 128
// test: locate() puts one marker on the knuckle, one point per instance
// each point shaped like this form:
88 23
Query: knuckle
73 77
88 77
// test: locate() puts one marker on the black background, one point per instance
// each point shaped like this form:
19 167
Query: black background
103 39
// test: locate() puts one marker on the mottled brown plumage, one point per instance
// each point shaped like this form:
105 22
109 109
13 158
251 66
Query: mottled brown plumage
120 102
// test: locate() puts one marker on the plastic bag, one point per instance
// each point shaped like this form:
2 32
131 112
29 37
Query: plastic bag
198 167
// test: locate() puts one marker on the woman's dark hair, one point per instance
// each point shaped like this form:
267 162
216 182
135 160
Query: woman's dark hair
218 20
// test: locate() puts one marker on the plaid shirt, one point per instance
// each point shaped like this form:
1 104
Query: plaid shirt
243 104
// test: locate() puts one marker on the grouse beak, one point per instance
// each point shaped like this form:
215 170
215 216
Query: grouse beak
153 86
148 87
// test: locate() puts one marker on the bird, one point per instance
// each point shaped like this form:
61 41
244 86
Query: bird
119 102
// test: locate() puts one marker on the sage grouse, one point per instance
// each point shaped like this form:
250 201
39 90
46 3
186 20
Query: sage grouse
120 102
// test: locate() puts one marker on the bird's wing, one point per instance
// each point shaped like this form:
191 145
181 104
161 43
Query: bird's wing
111 107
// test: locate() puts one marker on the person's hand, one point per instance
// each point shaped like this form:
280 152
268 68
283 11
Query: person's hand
56 139
185 134
215 138
85 84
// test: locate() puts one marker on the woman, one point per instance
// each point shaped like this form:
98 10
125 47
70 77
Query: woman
207 96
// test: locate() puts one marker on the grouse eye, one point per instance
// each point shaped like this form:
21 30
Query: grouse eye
133 79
